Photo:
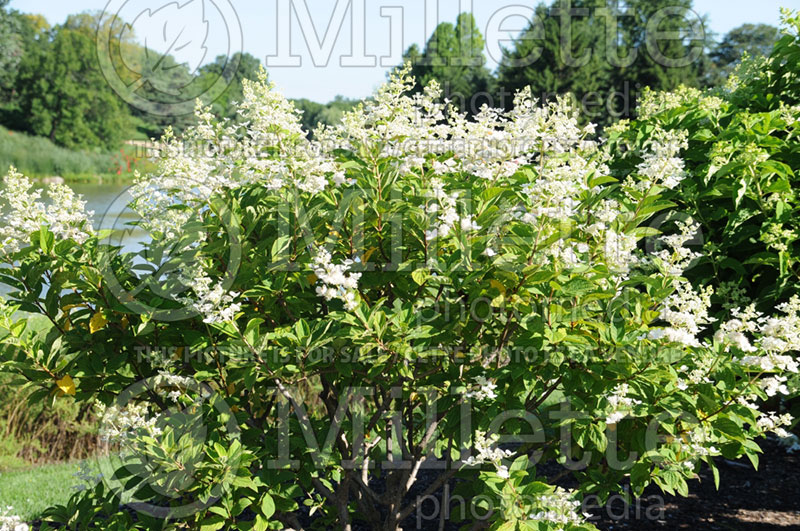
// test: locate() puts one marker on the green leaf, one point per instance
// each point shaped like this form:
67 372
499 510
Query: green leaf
267 506
46 240
212 523
420 276
577 286
261 523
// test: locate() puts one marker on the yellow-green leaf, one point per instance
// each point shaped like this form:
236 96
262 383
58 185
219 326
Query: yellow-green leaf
66 385
98 322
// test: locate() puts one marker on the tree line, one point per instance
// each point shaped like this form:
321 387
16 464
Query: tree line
601 52
51 84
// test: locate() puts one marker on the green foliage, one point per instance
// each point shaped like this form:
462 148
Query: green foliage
753 40
391 305
742 179
10 49
41 158
63 94
454 57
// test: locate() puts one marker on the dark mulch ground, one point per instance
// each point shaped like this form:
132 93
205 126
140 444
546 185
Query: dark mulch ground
767 500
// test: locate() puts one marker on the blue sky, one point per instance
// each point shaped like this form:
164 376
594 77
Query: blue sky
254 25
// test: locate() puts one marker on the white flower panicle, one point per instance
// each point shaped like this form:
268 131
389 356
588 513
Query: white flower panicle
124 425
661 164
620 251
444 208
687 312
335 281
774 423
210 299
699 445
656 102
280 153
768 342
621 405
487 452
482 389
65 214
560 508
267 146
774 385
677 257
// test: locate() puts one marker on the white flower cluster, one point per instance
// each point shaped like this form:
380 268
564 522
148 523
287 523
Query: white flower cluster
335 280
776 338
775 423
487 452
676 258
655 102
482 389
620 251
123 425
396 124
686 311
10 522
446 212
560 508
211 300
65 213
774 385
267 145
661 164
790 115
698 445
280 153
696 376
620 403
178 384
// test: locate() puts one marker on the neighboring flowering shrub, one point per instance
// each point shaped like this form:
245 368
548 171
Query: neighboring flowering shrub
740 149
412 304
738 184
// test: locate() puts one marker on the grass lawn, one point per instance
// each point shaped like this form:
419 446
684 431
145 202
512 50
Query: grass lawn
30 491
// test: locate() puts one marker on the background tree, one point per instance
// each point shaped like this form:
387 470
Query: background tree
10 49
661 64
315 114
558 53
64 94
755 40
246 67
454 57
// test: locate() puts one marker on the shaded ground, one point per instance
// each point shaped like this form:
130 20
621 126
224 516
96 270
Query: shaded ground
767 500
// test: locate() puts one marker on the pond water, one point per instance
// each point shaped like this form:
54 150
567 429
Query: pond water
109 204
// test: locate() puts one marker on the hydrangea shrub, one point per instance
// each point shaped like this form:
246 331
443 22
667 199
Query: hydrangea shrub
412 306
740 150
